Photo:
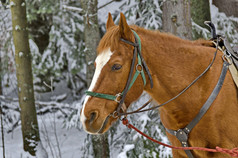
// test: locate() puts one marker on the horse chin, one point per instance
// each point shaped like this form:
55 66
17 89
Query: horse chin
105 125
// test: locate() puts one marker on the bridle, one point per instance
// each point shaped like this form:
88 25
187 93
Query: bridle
120 97
141 65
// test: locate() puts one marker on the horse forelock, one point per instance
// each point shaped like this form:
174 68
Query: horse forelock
109 40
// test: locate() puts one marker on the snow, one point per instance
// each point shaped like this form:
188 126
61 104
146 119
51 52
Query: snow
225 25
17 27
205 33
23 4
40 151
12 4
21 54
125 150
70 141
73 8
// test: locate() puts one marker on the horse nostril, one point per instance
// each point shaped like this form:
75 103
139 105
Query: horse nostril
93 115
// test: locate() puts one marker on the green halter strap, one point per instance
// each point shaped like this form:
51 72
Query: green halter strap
139 70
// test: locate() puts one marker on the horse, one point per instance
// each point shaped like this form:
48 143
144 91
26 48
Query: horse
173 63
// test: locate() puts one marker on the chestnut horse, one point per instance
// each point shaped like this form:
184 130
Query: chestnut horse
173 63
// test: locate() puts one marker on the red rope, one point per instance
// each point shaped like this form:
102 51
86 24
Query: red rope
232 152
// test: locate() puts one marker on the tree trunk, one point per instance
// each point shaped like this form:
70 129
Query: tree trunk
92 37
29 123
229 7
1 112
1 73
177 18
200 12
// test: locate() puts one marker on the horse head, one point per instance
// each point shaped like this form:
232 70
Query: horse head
112 68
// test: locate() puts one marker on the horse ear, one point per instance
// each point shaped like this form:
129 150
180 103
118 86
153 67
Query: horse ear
124 28
110 22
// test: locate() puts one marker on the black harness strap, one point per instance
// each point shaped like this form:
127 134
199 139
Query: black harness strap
182 134
130 74
135 52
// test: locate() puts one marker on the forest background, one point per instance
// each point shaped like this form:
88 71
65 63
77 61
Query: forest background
62 50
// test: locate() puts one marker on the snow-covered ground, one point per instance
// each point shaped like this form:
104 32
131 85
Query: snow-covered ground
62 139
58 141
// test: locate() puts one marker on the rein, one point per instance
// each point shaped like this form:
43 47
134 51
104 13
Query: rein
232 152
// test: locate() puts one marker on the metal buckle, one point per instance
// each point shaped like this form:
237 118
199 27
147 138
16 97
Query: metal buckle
227 59
117 99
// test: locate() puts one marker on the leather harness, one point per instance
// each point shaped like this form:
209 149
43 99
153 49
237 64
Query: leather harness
181 134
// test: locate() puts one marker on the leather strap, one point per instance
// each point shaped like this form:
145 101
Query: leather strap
130 74
182 134
141 62
213 29
230 53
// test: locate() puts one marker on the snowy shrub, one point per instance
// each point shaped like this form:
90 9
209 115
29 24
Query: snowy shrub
135 145
226 26
63 58
144 13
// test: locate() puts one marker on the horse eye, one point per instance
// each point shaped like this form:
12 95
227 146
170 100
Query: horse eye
116 67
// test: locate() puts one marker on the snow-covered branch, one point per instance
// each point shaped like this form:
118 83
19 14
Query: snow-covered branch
70 8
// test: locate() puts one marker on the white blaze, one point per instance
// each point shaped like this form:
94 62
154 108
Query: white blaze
101 61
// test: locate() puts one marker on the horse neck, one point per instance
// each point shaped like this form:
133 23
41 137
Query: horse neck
174 64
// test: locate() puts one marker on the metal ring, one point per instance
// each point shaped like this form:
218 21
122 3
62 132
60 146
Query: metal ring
115 114
138 69
227 59
228 54
117 99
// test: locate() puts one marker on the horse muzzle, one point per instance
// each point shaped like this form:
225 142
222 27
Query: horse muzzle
96 125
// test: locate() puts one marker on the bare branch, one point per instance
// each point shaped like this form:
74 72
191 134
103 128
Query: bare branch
81 79
104 5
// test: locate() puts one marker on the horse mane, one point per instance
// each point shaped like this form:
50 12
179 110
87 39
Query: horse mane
112 38
203 42
199 42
